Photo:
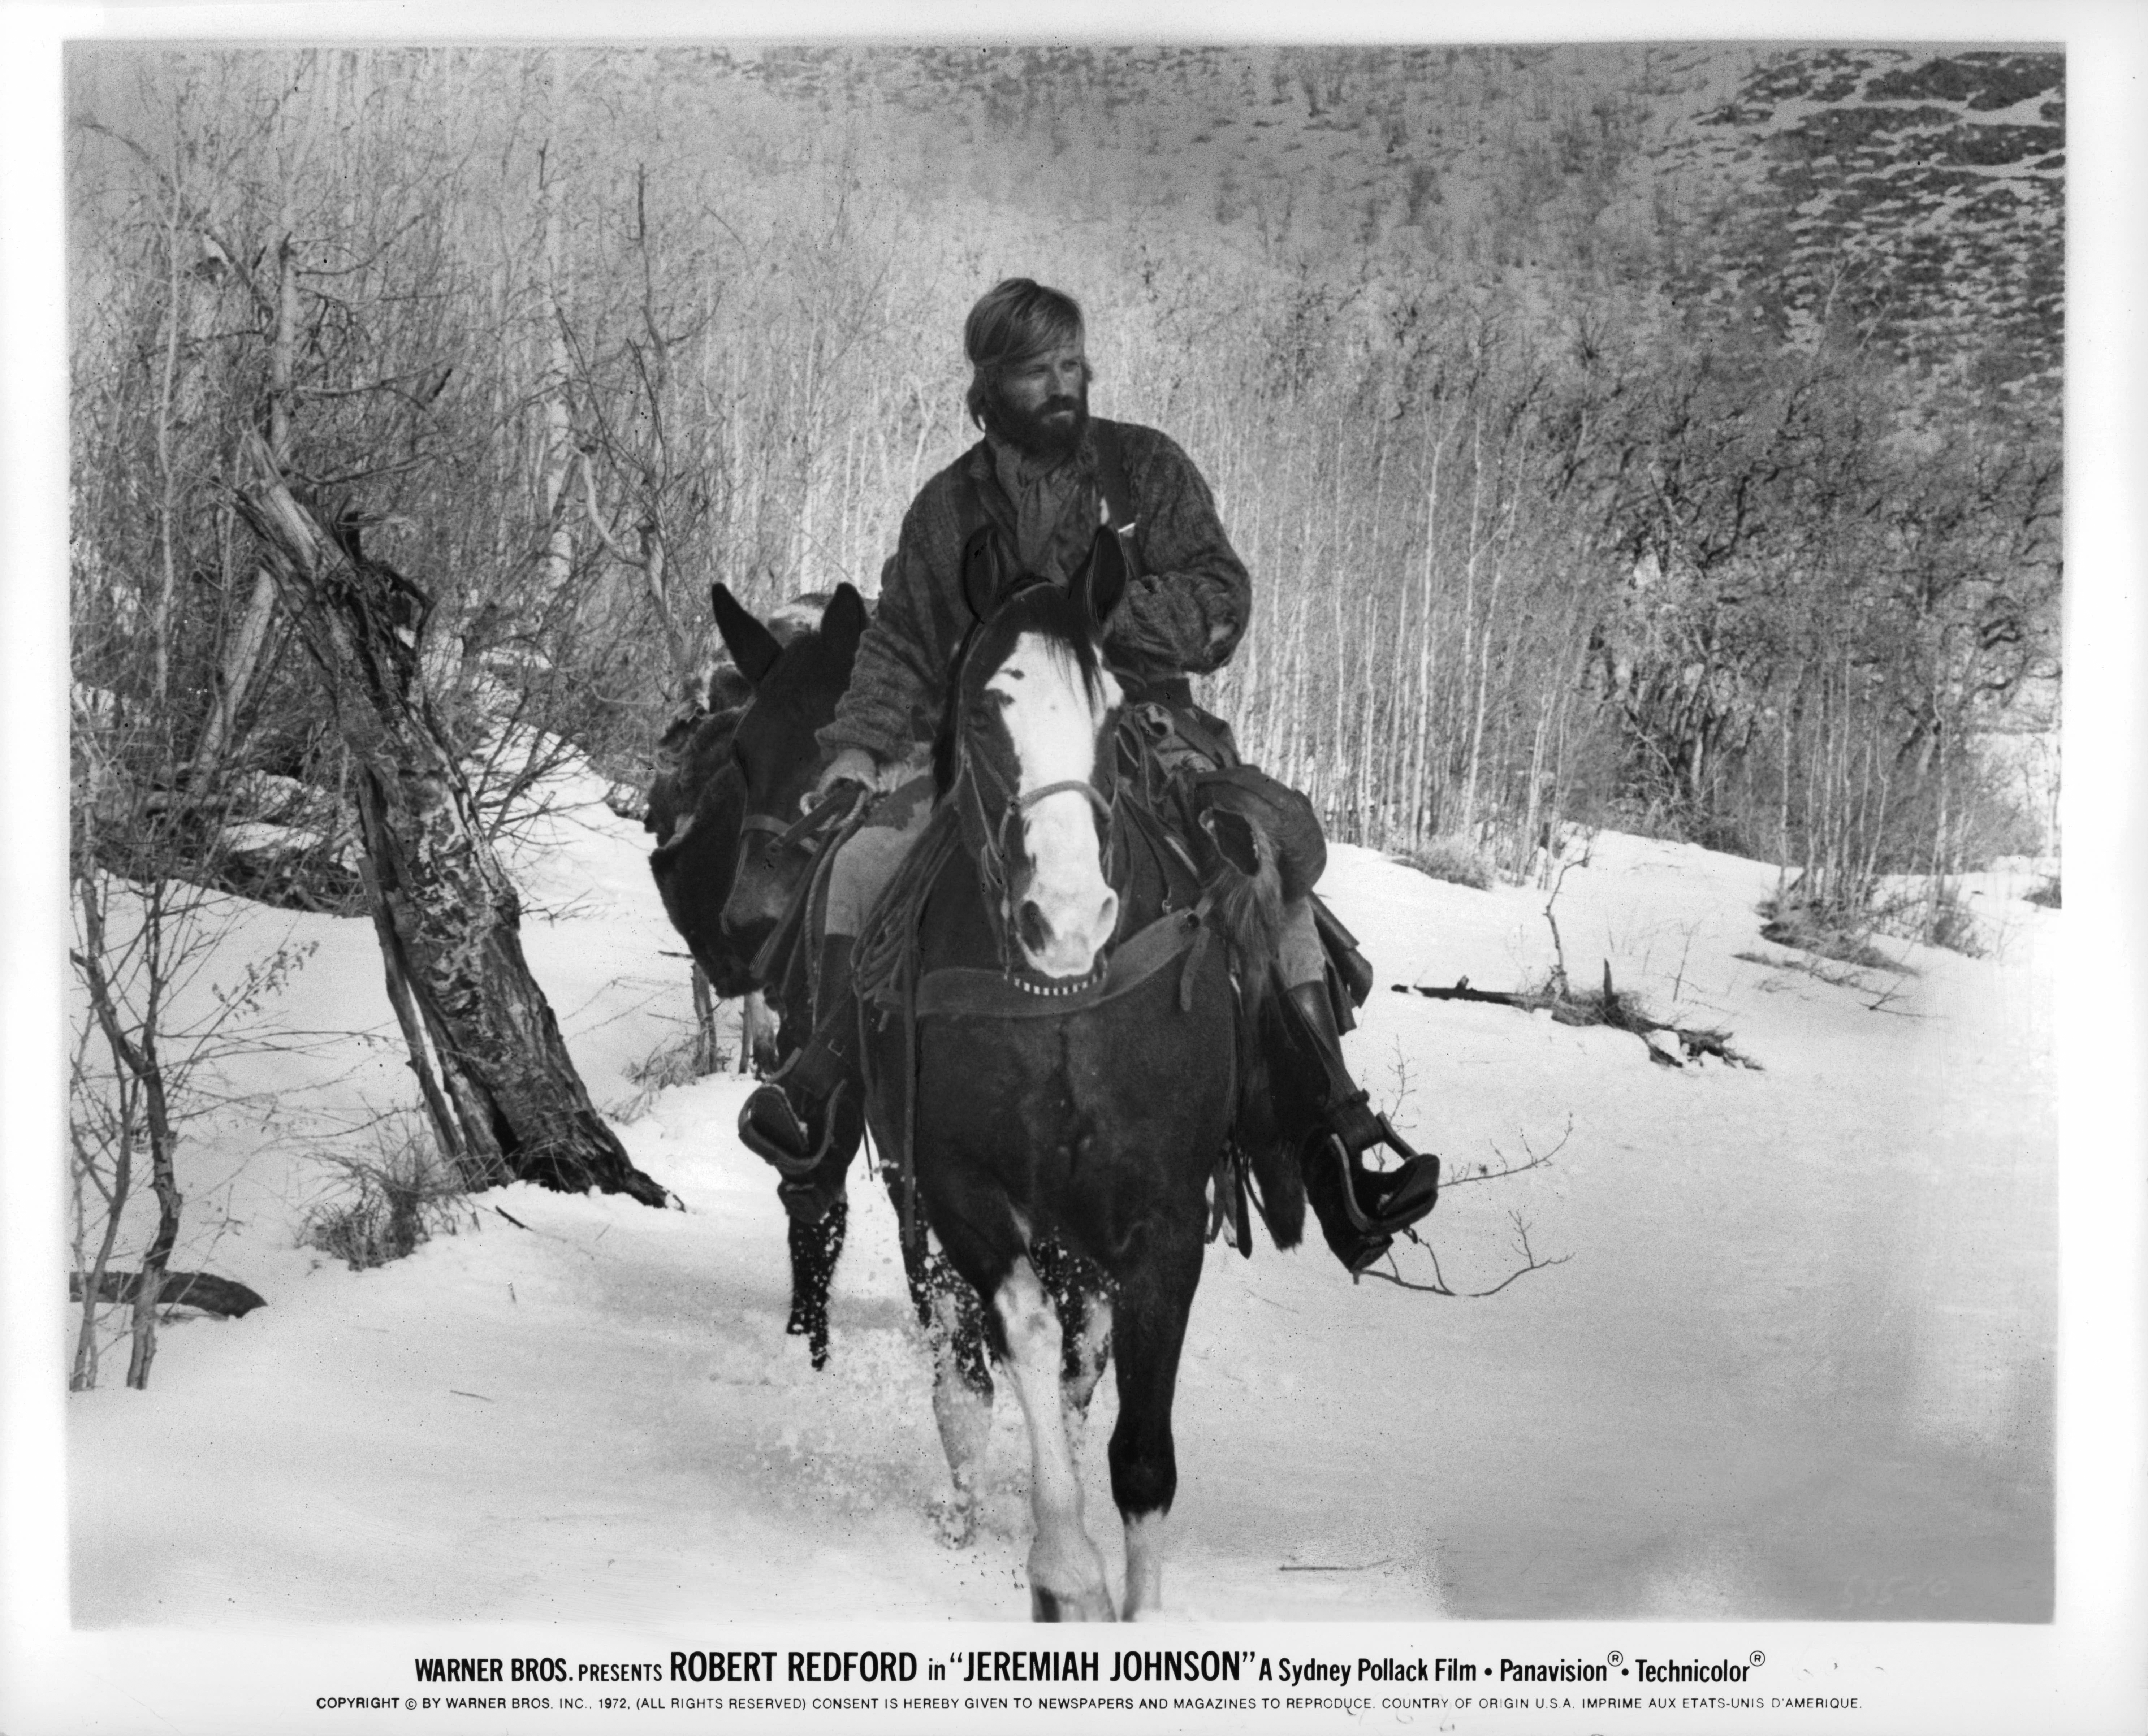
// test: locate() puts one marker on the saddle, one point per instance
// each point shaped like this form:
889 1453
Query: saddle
1174 799
787 961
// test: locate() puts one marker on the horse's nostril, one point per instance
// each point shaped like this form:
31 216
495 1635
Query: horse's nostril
1029 922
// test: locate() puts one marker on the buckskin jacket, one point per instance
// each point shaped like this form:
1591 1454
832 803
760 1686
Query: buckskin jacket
1183 615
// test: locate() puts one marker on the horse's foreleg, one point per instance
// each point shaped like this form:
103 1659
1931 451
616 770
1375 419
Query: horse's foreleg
1085 1323
1151 1331
1066 1573
962 1401
815 1248
1077 1290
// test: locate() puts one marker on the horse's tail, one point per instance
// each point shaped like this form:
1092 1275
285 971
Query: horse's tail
1249 912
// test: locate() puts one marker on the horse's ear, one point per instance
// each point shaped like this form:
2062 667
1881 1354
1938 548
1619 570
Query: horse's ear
1102 580
980 573
843 621
753 648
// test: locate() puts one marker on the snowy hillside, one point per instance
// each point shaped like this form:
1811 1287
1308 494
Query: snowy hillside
1796 1362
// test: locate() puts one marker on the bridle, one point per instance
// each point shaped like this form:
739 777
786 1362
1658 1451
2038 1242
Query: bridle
840 810
799 833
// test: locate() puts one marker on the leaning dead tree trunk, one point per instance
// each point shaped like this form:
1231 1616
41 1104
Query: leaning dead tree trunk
448 918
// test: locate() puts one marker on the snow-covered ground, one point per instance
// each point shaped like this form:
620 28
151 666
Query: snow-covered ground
1797 1361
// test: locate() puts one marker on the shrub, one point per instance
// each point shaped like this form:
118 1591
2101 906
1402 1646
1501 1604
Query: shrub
386 1202
694 1054
1454 859
1936 914
2046 895
1826 931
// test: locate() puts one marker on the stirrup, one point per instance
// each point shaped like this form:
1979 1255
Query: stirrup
1412 1190
808 1199
769 1127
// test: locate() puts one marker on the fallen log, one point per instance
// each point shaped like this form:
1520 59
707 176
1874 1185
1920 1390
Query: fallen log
1462 991
1611 1008
201 1290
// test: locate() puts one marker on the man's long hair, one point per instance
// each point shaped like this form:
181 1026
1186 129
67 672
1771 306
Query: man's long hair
1014 322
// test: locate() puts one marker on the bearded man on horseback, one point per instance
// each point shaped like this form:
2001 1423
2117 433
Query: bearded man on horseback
1042 479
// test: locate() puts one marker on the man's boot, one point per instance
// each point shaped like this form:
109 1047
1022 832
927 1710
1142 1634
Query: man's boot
1361 1210
807 1119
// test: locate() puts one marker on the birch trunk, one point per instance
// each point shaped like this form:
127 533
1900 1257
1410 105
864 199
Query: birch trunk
558 430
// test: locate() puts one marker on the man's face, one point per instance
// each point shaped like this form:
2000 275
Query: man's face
1043 403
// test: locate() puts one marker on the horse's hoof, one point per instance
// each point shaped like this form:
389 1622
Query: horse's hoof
957 1523
803 1324
1045 1605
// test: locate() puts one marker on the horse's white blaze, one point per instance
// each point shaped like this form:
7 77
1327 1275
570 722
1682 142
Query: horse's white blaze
1053 723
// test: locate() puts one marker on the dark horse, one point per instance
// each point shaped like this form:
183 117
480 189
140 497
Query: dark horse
697 801
1055 1067
1076 1058
782 682
695 807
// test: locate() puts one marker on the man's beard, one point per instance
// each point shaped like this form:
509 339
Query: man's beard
1040 433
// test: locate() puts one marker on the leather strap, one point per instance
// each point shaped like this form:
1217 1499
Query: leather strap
961 993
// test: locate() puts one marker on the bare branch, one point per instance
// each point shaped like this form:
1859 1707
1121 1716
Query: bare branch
1531 1262
1536 1161
596 517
